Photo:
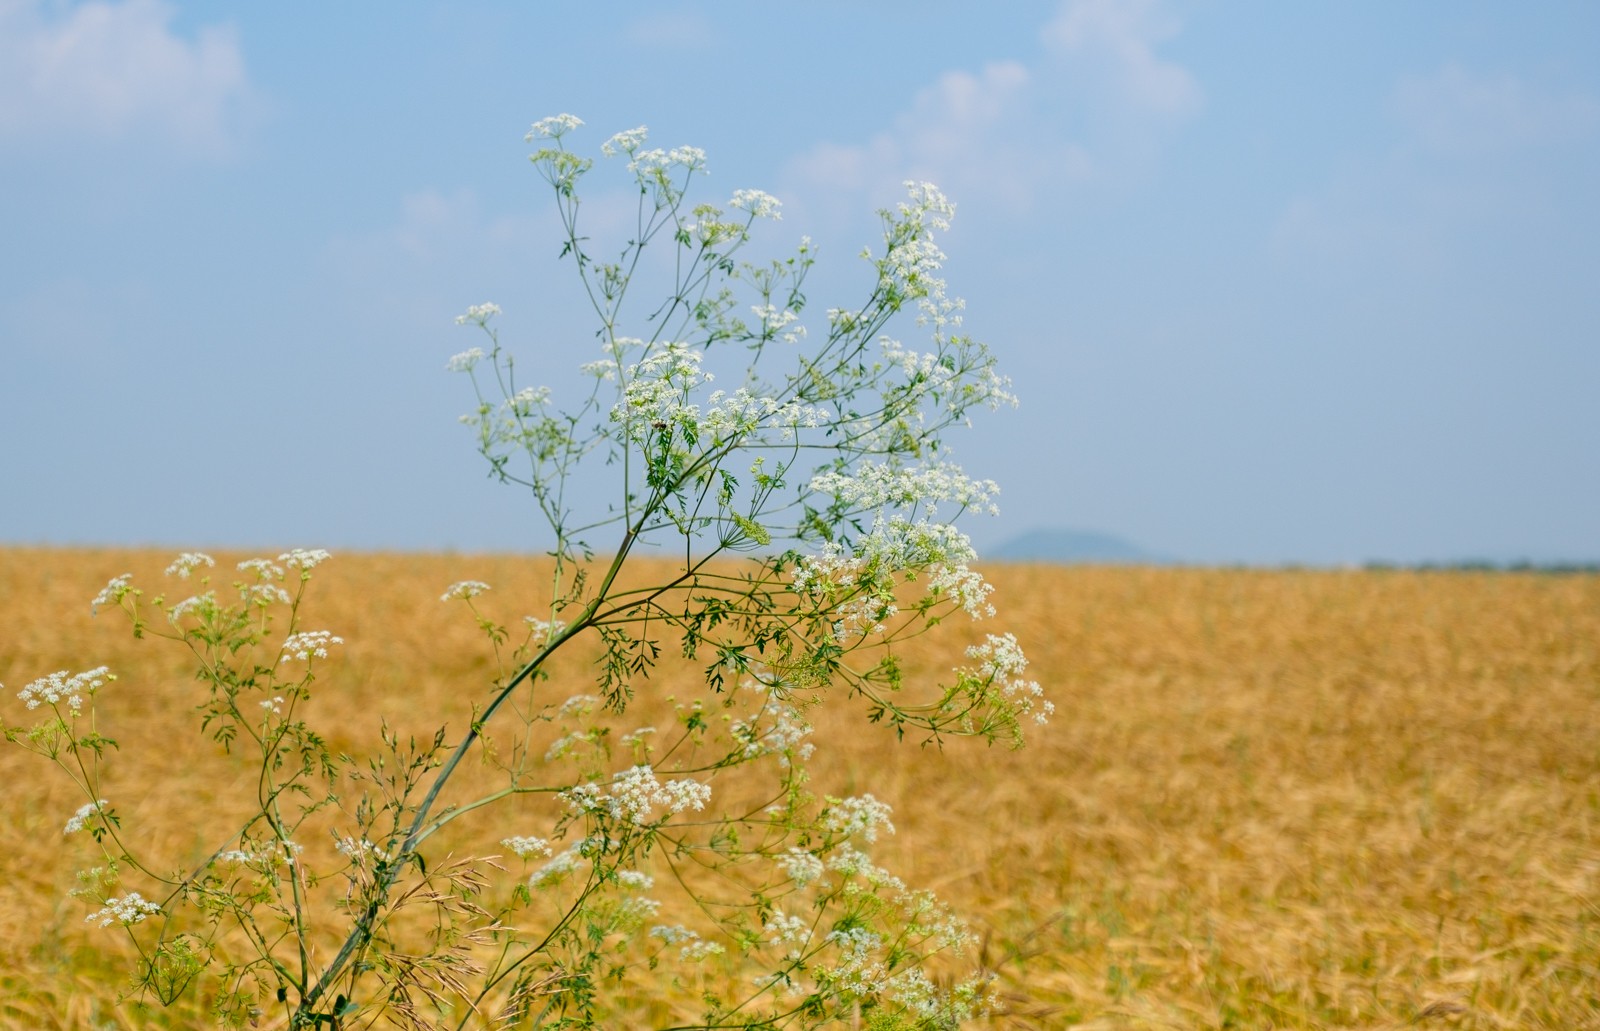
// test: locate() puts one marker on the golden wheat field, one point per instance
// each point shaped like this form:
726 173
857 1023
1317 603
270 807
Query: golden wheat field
1268 799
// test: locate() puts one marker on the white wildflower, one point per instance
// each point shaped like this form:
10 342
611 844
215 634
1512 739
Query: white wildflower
676 934
625 142
264 595
577 705
187 562
464 589
634 795
304 559
699 950
556 869
523 847
783 929
636 880
61 688
464 361
553 127
359 848
199 603
863 815
1001 662
758 203
309 644
800 866
113 592
80 819
129 909
264 569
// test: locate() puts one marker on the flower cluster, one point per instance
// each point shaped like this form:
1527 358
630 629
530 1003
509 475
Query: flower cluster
800 866
656 397
1001 662
358 849
304 559
309 644
893 544
81 818
553 127
113 592
523 847
188 562
625 142
478 314
59 688
131 908
464 361
758 203
863 815
268 854
463 590
873 485
635 793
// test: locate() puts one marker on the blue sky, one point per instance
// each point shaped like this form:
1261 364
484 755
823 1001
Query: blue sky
1276 282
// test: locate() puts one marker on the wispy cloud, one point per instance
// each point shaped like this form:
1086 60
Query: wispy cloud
111 71
1456 112
1090 108
1474 151
1113 44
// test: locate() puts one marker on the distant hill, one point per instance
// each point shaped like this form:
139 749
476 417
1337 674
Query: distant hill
1073 546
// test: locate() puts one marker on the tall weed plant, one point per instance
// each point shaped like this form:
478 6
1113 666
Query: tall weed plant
679 873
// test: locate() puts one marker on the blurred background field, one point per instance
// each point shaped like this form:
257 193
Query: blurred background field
1287 799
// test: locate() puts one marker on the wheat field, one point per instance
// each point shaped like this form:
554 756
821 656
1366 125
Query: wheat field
1268 799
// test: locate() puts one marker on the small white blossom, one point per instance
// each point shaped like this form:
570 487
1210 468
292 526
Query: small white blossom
304 559
464 589
80 819
274 705
699 950
783 929
201 603
676 934
864 815
758 203
577 705
635 793
1000 661
637 880
625 142
309 644
359 848
129 909
264 594
801 866
113 592
267 854
523 847
187 562
264 569
464 361
60 688
553 127
557 868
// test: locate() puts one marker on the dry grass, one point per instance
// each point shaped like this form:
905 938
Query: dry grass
1269 799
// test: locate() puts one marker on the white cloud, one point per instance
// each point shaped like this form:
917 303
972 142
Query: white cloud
1117 39
1091 109
108 71
1456 112
1468 178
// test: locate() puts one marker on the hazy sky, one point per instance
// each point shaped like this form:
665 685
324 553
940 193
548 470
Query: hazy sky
1276 281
